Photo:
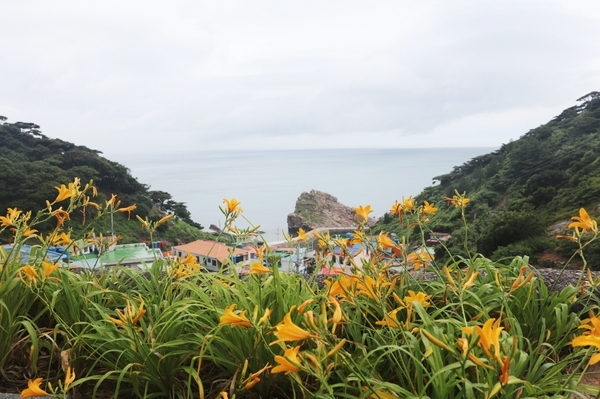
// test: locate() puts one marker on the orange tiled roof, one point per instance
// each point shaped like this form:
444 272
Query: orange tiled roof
211 249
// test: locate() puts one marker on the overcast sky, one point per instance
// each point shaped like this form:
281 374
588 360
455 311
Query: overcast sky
188 75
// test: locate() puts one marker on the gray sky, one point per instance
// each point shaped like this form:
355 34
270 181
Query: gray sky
152 76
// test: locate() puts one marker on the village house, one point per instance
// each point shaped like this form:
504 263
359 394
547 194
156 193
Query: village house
211 254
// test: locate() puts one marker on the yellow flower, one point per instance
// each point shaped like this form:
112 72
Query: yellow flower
233 319
489 336
340 287
286 330
127 209
232 205
130 315
370 287
258 268
289 362
419 259
302 235
592 325
49 268
10 218
428 209
384 241
145 223
29 273
33 389
408 204
419 297
69 378
363 212
379 394
588 340
390 319
164 219
64 193
583 222
61 239
254 378
458 200
396 208
265 317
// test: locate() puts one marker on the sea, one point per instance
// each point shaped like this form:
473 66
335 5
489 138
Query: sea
268 183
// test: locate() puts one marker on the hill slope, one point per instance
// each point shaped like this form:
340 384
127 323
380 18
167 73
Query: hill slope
32 165
519 191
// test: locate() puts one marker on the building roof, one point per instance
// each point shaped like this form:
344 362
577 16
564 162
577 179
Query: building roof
211 249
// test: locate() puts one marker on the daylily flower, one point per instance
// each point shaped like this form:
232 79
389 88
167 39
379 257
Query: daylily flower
232 205
33 389
288 363
363 212
64 193
408 204
340 287
61 239
130 315
419 297
164 219
127 209
254 378
584 222
396 208
419 259
588 340
390 319
265 317
384 241
10 218
69 378
337 314
28 273
49 268
302 235
370 287
258 268
592 325
489 336
286 330
60 215
458 200
428 209
234 319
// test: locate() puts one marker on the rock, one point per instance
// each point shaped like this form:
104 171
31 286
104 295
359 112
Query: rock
317 209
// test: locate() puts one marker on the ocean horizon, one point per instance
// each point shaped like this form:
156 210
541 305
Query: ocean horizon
268 183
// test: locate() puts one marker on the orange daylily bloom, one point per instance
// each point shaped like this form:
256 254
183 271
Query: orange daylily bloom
385 242
33 389
29 232
128 209
419 259
64 193
340 287
428 209
69 378
489 336
592 325
419 297
588 340
286 330
29 273
10 218
130 315
49 268
254 378
390 319
232 205
60 215
61 239
234 319
259 268
164 219
584 222
302 235
288 363
458 200
363 212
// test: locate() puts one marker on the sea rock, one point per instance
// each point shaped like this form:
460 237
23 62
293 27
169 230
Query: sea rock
317 209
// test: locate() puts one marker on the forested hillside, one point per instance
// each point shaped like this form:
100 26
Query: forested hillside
33 165
521 192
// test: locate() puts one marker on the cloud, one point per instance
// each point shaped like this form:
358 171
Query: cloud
115 76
